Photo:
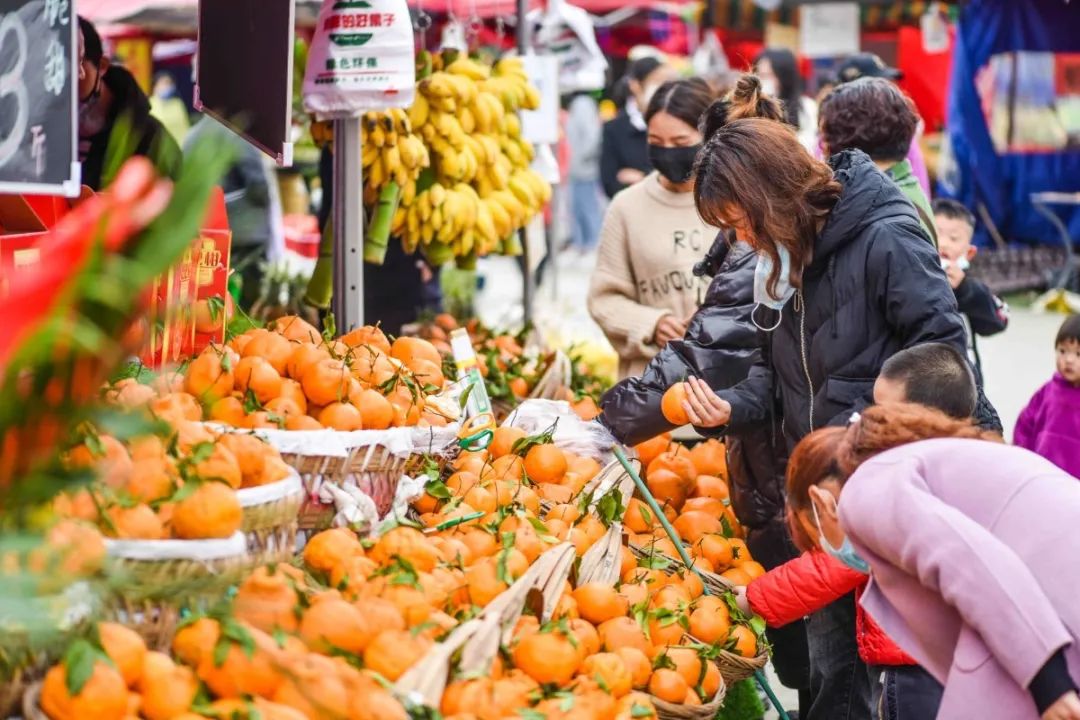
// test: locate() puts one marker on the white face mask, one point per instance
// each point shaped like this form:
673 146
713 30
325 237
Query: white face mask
770 87
961 263
784 290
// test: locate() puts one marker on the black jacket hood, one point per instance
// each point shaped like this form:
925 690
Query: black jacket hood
868 196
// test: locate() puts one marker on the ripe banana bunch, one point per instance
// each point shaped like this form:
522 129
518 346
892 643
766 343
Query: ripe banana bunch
511 85
479 190
447 219
390 152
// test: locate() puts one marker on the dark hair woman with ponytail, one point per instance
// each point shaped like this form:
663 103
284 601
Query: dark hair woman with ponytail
843 280
721 345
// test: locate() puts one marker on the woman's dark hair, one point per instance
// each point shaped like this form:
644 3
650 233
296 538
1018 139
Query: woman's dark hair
1070 330
642 68
786 68
836 452
869 114
92 47
759 167
745 100
686 100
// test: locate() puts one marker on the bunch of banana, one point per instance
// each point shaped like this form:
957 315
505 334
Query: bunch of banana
479 190
391 152
511 85
443 221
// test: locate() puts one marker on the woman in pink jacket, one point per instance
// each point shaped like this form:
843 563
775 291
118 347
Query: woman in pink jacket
978 581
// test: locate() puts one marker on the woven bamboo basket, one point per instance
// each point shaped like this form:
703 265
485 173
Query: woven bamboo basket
705 711
31 703
601 564
372 460
162 576
12 690
271 518
733 667
475 643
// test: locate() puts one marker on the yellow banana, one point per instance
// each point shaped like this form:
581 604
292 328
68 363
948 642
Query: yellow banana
469 68
437 194
418 113
408 193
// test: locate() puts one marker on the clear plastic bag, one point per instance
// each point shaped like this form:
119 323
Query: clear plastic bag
570 432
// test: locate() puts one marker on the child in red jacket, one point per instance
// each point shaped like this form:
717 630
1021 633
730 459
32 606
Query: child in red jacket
932 374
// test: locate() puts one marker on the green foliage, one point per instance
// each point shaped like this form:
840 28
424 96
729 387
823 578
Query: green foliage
741 703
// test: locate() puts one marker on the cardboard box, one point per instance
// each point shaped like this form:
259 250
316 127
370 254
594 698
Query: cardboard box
212 252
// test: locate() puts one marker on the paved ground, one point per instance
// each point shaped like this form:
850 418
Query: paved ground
1015 363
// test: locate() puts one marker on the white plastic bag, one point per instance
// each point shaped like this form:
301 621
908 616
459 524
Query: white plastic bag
361 59
571 432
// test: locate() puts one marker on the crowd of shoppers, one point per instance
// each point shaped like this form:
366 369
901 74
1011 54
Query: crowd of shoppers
839 323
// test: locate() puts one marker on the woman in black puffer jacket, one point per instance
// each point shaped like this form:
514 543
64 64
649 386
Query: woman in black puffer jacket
720 346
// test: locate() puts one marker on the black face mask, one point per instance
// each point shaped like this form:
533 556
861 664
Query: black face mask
674 163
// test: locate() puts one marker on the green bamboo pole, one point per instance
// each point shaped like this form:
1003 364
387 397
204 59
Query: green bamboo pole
655 507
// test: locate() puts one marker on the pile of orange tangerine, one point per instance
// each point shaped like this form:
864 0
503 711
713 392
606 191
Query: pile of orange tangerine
288 376
179 485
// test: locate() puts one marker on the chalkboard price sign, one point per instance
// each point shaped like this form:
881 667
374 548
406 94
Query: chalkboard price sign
38 79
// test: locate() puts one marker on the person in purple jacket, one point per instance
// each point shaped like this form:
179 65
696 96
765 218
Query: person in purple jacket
1050 424
979 586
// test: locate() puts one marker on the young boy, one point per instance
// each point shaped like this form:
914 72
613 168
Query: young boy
931 374
984 313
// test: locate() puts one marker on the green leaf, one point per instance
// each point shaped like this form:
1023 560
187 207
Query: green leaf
757 624
464 399
201 452
523 445
79 663
641 711
646 514
530 714
438 490
610 508
221 651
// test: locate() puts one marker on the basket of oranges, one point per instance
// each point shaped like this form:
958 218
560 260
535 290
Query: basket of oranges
688 486
352 410
271 515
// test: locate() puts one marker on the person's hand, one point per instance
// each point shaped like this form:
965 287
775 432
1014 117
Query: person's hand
1067 707
629 176
955 274
742 601
668 328
705 408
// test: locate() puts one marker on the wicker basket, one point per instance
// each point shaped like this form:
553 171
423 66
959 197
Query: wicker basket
372 460
31 703
271 515
601 564
475 643
733 667
11 692
162 576
705 711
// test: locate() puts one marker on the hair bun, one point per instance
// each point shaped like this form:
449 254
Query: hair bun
747 90
748 100
714 118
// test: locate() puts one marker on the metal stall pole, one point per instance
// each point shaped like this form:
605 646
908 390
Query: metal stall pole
348 227
529 289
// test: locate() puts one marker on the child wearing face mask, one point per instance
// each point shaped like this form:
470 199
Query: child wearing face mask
644 290
932 374
984 313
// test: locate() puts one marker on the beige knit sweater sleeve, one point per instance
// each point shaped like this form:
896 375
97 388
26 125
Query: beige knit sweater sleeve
613 298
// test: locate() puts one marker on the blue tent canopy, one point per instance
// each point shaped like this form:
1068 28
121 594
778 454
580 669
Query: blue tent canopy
1014 114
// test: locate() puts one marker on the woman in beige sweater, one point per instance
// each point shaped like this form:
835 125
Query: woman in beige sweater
643 290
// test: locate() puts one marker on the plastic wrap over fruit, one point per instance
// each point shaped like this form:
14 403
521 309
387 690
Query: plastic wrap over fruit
568 431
